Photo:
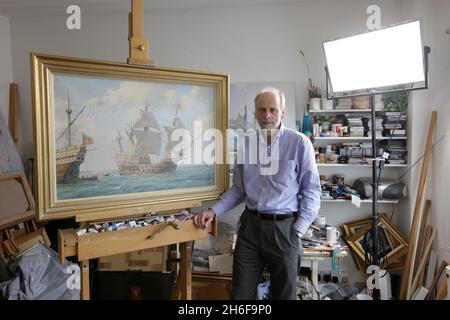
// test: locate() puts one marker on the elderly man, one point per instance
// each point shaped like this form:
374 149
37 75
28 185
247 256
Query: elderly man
280 205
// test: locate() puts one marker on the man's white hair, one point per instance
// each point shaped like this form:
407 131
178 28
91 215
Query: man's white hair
276 92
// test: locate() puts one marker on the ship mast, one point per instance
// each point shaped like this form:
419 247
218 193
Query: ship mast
176 113
70 121
69 112
119 141
245 118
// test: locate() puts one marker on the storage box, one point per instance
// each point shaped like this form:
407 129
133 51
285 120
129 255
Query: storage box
131 285
153 259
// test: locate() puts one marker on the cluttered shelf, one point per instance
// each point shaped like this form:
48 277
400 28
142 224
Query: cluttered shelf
343 137
336 190
361 201
332 111
316 242
342 111
356 138
357 165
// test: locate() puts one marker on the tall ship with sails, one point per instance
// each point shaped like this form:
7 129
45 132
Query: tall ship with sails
149 145
242 121
71 156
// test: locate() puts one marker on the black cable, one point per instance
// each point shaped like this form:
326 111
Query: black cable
319 297
423 154
392 215
367 244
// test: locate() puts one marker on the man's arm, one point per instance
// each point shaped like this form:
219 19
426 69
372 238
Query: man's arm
228 200
234 195
309 187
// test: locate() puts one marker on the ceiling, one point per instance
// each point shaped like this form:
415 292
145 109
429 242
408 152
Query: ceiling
23 8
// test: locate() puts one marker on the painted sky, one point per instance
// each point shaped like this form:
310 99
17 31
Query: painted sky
112 105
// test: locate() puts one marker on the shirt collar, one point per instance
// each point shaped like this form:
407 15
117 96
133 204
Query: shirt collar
262 138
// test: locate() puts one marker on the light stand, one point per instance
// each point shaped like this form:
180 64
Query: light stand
377 163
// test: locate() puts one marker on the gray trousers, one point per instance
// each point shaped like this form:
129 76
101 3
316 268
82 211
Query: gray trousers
262 243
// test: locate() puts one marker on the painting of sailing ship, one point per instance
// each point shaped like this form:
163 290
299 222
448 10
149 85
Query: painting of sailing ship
113 139
146 140
69 155
129 146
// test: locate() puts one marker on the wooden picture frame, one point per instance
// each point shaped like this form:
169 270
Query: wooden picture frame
396 245
353 227
349 229
30 240
84 112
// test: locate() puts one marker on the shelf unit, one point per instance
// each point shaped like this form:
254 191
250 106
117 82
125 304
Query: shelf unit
362 201
344 168
358 165
343 111
356 138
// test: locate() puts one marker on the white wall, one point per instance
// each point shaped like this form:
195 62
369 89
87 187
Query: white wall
251 43
6 75
234 40
436 17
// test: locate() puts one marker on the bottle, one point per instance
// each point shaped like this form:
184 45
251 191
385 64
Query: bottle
307 126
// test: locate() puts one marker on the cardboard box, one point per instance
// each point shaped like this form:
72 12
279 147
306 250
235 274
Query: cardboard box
221 263
153 259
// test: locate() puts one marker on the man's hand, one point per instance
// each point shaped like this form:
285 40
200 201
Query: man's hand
204 218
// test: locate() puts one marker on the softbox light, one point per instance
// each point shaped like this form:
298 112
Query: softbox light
377 59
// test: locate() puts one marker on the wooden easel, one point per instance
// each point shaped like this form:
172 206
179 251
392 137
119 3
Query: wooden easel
138 43
14 112
96 245
18 229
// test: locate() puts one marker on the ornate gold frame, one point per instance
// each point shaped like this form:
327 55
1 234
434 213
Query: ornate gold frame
43 68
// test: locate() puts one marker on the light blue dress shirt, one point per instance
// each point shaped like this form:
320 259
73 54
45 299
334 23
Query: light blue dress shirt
293 186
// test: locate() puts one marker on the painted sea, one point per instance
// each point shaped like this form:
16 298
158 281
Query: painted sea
112 183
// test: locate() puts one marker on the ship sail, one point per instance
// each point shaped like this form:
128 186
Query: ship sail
147 121
149 146
176 124
148 134
147 142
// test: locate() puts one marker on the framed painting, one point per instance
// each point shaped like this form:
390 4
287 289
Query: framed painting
114 140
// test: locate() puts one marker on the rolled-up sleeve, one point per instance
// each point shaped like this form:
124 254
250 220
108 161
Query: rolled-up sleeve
234 196
309 186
